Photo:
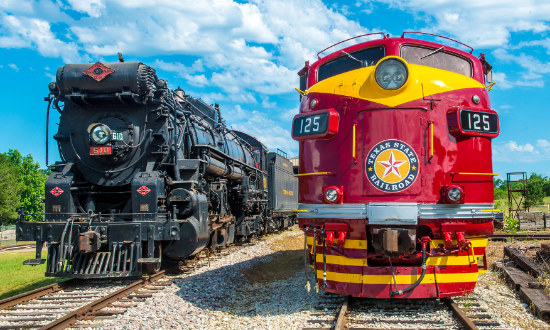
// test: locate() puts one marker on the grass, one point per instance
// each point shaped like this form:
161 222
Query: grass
502 204
16 278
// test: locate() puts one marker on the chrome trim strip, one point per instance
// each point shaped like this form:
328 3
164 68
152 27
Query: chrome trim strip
333 211
455 211
425 211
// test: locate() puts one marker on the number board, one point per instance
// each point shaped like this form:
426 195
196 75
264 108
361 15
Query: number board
310 125
478 121
108 150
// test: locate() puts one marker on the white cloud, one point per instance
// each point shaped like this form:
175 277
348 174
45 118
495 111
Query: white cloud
20 6
264 128
543 143
511 151
91 7
13 66
23 32
533 76
502 81
487 23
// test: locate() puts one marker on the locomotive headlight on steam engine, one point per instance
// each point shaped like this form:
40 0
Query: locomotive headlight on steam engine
391 73
100 134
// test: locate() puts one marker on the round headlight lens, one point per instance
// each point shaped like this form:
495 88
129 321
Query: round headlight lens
101 134
454 194
391 74
331 195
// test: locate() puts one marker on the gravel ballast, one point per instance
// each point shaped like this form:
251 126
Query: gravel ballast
222 296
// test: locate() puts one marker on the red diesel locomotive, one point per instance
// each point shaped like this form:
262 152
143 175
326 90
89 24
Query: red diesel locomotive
396 183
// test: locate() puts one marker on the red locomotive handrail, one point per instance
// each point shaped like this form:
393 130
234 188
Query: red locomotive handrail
437 35
363 35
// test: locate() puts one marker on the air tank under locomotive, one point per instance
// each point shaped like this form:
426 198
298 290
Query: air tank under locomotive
146 172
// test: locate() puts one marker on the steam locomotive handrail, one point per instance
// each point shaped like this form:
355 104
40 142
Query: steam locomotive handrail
226 156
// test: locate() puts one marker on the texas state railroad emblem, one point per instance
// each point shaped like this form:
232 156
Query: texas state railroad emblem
392 166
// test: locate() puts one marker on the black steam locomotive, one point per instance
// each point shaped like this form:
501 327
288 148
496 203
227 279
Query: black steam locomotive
148 173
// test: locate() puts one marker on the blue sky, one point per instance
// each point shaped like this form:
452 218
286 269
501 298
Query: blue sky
244 55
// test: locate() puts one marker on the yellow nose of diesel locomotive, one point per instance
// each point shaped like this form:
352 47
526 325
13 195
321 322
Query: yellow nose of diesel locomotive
393 81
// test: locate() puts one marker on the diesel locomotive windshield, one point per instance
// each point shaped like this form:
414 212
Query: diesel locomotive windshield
436 58
348 62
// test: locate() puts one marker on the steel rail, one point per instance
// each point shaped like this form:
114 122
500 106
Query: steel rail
500 236
15 247
342 316
459 314
37 293
91 309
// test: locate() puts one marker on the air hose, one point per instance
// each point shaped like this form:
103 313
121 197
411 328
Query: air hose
424 241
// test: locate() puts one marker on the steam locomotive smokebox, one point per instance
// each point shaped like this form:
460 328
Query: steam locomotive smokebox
109 78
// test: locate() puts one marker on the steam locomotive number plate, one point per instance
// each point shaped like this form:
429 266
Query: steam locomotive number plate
479 122
101 150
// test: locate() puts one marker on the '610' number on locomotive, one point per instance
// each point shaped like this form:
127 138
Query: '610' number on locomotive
476 121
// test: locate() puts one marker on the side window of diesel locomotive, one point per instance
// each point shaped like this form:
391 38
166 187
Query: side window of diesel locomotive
345 63
436 58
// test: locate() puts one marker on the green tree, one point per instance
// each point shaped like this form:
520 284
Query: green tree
10 190
501 189
33 180
535 189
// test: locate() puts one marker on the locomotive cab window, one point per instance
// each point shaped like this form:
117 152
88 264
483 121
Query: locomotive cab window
257 156
436 58
348 62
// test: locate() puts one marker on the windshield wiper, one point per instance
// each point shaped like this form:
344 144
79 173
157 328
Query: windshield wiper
353 58
435 51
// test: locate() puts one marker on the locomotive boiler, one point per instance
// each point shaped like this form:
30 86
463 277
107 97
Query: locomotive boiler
147 174
396 181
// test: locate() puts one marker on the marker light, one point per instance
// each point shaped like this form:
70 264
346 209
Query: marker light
391 74
101 134
313 104
332 194
454 194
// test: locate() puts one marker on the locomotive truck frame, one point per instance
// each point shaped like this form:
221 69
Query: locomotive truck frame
148 174
396 180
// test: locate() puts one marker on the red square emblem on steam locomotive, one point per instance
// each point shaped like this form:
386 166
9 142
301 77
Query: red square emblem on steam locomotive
98 71
143 190
56 191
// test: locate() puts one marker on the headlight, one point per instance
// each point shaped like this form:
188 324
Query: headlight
391 74
101 134
454 194
331 195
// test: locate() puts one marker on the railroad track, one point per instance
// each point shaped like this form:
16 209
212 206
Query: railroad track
75 302
519 237
337 312
64 304
16 247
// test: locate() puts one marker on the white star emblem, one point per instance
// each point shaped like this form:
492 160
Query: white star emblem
391 165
